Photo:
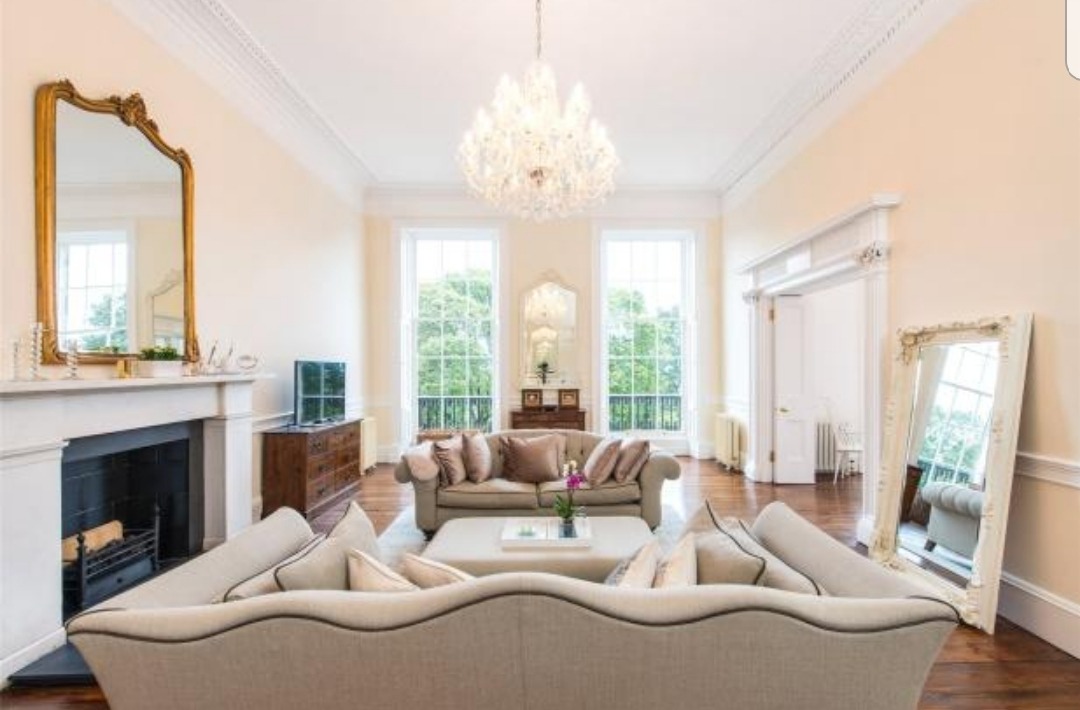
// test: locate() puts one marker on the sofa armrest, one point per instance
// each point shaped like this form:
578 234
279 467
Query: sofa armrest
205 578
660 467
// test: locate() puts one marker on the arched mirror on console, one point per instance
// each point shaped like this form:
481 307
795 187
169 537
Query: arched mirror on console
115 245
950 450
549 334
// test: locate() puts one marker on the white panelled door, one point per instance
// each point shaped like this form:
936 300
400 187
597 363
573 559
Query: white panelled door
793 410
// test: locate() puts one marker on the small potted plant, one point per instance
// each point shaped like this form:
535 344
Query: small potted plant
160 361
564 507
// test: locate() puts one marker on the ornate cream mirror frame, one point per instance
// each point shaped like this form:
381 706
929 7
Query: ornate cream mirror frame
977 601
131 111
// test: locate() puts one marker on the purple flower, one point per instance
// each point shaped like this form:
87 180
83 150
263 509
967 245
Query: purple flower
574 481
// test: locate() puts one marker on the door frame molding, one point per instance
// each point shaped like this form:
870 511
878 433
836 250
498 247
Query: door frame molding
854 246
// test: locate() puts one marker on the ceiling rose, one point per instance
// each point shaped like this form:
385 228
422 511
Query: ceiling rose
530 157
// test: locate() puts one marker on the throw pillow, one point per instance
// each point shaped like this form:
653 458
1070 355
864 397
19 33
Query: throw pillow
451 462
367 574
421 461
720 560
638 570
601 462
324 566
535 460
477 457
679 566
265 582
426 573
633 453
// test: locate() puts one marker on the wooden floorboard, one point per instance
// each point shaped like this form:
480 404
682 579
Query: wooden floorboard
1011 669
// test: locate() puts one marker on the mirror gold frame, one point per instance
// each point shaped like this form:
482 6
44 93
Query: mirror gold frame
977 601
131 110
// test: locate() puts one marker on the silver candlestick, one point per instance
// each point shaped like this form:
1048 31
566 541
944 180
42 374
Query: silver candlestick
71 359
36 331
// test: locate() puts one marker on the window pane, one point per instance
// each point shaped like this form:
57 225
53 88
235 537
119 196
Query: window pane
619 261
430 300
480 376
669 338
429 338
645 338
669 376
644 264
620 376
621 339
644 375
669 261
430 376
455 377
480 338
76 266
455 337
480 295
99 265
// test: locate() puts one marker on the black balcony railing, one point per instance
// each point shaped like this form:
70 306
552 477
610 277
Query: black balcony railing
455 413
645 412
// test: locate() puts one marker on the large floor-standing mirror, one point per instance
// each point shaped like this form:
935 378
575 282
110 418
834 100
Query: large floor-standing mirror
950 450
114 229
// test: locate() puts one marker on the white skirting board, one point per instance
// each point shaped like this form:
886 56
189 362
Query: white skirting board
1041 612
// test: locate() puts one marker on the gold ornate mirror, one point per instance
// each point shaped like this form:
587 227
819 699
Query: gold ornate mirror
114 229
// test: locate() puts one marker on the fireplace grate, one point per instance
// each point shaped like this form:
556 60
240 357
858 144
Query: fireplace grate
98 575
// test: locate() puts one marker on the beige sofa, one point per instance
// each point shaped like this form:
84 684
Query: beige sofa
955 516
435 504
517 641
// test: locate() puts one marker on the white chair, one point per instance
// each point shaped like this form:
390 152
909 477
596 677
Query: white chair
849 449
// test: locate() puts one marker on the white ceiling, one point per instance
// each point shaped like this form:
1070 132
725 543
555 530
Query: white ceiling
681 84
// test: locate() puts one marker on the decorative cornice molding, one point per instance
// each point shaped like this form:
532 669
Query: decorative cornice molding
850 50
865 51
205 35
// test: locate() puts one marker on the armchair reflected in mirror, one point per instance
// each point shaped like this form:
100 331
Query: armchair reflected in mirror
949 456
114 229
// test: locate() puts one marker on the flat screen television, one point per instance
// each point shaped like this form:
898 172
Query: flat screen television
319 395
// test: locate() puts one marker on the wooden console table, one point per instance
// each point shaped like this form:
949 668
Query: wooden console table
547 419
310 467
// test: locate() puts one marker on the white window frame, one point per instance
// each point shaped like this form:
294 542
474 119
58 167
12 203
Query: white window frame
90 231
409 234
689 236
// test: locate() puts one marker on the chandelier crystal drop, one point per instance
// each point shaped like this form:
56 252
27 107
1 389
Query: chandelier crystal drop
531 157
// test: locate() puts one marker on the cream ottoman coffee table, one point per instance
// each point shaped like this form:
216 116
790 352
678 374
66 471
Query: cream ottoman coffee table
474 545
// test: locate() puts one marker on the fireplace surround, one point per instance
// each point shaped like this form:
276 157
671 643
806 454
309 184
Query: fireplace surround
40 420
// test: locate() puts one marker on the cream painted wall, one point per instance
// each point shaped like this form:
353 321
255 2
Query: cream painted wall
278 256
980 132
529 251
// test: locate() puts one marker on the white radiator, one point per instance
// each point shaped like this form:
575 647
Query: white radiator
728 448
369 443
826 447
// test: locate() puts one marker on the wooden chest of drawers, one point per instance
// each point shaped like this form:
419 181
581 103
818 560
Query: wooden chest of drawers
547 419
310 468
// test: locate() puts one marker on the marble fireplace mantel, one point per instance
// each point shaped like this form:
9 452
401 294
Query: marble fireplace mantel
38 418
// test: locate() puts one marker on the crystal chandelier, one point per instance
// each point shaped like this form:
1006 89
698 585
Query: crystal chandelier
528 157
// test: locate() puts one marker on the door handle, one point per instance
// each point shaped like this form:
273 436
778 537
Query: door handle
783 410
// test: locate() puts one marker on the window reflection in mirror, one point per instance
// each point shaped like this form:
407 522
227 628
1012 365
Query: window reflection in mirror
119 237
948 434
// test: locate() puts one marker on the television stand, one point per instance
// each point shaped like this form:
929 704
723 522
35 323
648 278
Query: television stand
310 467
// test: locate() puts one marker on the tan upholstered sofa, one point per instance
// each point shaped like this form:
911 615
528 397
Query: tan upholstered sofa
435 504
517 641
